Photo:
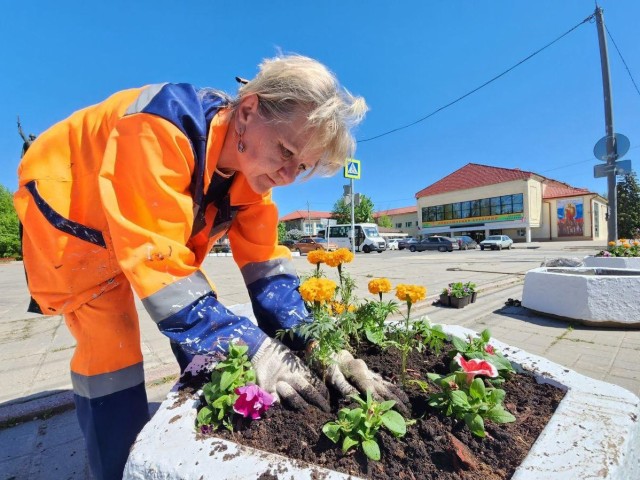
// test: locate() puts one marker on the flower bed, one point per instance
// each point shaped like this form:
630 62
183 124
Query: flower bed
594 433
466 408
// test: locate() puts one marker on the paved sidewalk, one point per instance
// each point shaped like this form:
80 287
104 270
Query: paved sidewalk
39 435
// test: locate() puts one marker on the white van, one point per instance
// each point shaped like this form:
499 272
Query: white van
367 237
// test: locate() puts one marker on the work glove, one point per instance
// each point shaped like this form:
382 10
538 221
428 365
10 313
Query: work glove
349 375
281 373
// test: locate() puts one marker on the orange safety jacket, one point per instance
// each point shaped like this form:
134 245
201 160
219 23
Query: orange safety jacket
128 186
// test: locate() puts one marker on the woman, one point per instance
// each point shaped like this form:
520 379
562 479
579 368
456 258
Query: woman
129 195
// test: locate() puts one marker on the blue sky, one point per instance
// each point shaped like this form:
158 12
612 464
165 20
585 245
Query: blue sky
406 58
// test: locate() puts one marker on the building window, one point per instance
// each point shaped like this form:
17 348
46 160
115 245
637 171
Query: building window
408 224
485 207
399 225
517 203
495 205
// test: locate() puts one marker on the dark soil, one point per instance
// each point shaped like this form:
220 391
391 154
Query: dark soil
436 447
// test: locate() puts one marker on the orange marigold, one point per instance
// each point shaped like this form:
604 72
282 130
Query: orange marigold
626 245
411 293
318 290
612 243
317 256
379 285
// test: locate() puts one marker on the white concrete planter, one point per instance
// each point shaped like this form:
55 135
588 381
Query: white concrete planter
595 433
612 262
594 296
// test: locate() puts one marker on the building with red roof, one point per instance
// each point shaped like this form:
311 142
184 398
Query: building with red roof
481 200
311 222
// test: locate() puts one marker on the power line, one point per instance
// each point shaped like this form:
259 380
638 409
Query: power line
622 58
478 88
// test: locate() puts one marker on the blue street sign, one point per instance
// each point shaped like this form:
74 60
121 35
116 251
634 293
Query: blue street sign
352 168
620 168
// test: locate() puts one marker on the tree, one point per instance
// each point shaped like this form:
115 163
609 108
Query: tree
363 212
628 205
282 232
9 226
385 221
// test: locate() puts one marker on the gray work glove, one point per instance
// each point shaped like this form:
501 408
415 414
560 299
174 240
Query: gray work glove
349 375
281 373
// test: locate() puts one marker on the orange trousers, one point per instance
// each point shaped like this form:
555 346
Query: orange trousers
108 377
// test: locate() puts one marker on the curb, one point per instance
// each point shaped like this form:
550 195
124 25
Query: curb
60 401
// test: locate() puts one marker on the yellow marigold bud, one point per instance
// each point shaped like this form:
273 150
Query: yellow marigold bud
379 285
316 256
351 308
337 307
412 293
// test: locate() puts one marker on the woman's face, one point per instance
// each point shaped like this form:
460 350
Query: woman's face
275 153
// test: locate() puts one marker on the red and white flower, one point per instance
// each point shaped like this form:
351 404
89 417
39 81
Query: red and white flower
475 367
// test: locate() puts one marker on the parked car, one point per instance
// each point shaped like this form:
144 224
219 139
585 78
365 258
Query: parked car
406 243
455 244
466 242
308 244
290 244
442 244
496 242
392 244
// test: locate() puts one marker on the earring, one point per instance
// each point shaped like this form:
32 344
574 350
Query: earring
241 145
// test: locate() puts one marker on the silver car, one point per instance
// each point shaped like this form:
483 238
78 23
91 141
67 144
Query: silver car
496 242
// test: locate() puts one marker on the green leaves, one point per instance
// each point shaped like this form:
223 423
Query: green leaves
395 423
469 401
219 394
371 449
359 426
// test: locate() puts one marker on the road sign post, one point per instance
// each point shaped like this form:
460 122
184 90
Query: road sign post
352 171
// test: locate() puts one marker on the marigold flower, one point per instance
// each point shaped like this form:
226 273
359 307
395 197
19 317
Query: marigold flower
351 308
410 293
318 290
252 402
636 243
612 243
379 285
626 245
337 308
317 256
340 256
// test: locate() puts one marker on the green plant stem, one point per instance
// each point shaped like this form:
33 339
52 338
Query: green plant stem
405 345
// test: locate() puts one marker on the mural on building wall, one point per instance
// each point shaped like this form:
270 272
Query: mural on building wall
570 219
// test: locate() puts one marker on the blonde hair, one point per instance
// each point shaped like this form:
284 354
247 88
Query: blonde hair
289 84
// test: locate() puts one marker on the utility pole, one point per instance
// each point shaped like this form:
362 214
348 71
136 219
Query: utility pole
612 150
311 232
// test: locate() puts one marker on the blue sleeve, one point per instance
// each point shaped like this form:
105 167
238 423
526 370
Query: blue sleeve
206 327
278 305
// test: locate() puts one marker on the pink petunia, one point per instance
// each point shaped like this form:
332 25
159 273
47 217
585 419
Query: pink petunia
475 367
490 350
252 401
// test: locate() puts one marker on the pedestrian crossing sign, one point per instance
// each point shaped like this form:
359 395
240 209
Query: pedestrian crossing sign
352 168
